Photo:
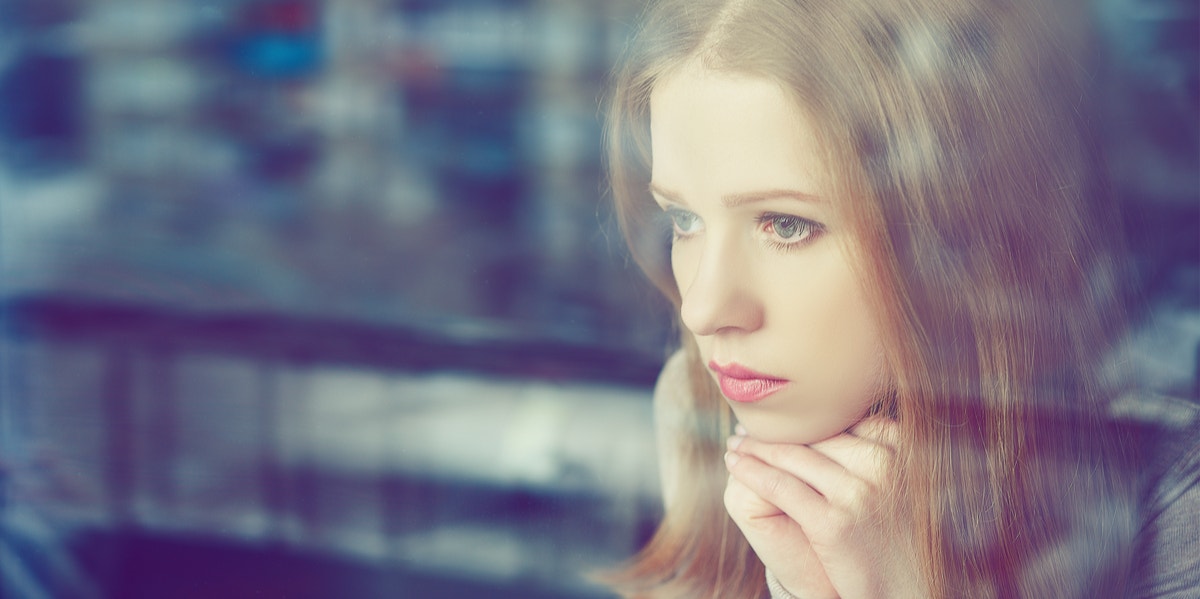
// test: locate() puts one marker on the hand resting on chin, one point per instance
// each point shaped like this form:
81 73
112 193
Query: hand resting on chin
818 516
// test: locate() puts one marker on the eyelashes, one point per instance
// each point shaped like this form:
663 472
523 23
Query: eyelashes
786 232
783 232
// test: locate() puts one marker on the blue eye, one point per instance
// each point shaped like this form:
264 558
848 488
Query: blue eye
684 223
788 231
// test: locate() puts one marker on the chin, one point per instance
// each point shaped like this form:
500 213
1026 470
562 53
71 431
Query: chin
773 428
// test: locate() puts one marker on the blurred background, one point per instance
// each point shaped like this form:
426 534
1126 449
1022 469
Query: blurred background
323 298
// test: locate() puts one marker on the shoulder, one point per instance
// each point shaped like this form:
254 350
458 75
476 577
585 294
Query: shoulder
1167 435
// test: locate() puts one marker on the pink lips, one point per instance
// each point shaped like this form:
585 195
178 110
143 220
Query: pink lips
743 385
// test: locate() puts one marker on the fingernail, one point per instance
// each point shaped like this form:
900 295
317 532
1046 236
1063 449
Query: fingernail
731 458
739 429
733 442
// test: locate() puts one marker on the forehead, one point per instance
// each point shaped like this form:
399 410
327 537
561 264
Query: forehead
729 133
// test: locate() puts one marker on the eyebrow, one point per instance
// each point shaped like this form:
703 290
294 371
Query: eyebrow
739 199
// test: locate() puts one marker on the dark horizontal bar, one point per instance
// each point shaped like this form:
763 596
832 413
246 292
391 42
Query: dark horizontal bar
327 341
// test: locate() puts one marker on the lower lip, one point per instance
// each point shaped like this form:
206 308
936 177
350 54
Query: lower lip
748 390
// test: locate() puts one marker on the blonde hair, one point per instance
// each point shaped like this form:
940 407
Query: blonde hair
956 139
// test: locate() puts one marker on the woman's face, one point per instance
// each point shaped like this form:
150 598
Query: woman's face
761 258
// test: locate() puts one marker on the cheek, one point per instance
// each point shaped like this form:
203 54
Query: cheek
854 366
850 343
683 265
832 333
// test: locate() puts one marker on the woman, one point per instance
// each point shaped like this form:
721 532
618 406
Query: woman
894 267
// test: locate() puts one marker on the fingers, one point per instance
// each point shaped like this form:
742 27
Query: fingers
828 514
826 465
815 469
784 492
779 540
824 500
843 470
746 506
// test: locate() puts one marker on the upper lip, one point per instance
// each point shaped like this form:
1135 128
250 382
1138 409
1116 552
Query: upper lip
737 371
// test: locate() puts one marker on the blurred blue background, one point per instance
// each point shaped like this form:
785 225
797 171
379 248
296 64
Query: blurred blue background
323 298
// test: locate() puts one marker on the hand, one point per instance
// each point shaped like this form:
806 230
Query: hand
816 515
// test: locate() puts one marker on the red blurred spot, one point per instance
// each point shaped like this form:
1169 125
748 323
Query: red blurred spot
283 17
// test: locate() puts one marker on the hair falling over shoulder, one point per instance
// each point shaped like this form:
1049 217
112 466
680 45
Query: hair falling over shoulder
697 550
960 151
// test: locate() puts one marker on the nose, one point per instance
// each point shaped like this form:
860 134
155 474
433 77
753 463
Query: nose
719 296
